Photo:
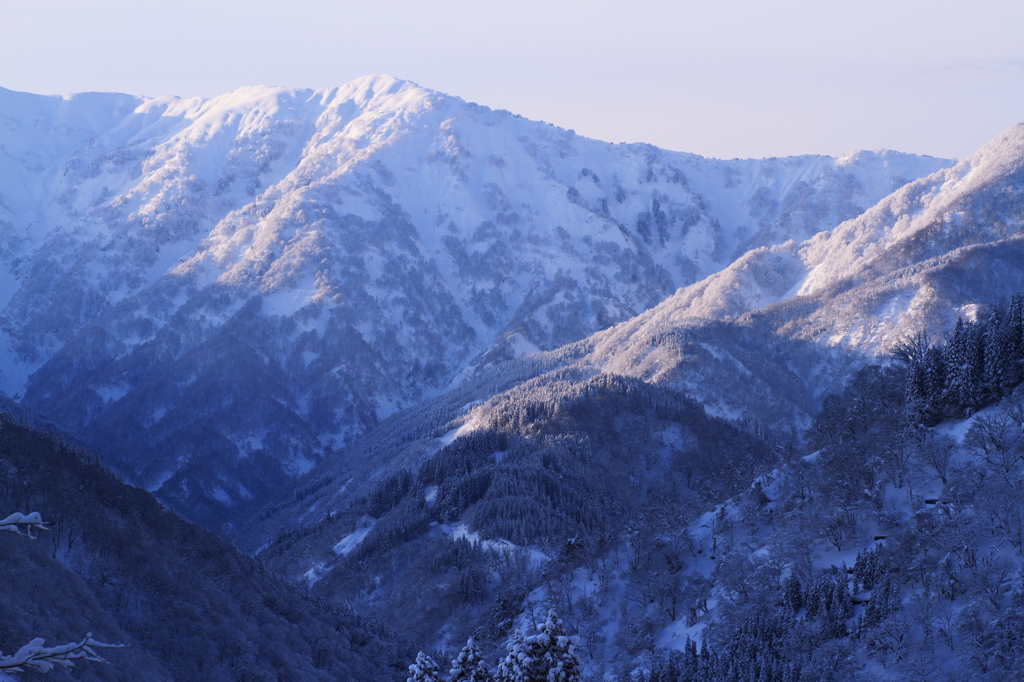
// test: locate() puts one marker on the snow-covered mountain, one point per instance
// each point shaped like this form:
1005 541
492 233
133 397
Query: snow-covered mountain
592 457
945 246
307 320
218 292
933 250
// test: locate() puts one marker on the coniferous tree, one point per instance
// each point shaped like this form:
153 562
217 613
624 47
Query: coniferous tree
690 656
971 389
469 666
510 667
934 382
885 601
548 656
425 669
995 356
980 362
707 663
1011 347
867 568
954 355
793 596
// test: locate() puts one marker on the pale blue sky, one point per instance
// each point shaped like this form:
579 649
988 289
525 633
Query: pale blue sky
720 78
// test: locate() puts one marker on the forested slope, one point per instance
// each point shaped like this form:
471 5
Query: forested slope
893 551
119 565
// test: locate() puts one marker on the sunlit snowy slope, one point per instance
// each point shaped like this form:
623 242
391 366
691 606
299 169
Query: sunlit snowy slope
942 247
938 248
220 291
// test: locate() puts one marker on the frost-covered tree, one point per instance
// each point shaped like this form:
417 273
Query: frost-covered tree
36 656
469 666
425 669
548 656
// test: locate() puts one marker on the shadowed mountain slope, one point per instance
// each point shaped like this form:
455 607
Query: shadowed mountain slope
119 565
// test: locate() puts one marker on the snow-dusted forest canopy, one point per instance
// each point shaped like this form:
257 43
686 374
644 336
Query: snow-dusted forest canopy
374 383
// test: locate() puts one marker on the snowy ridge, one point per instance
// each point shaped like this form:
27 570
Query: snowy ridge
938 203
872 279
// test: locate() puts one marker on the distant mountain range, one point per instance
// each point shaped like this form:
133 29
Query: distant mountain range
217 294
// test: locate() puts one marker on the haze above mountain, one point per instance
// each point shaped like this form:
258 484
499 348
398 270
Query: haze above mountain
237 286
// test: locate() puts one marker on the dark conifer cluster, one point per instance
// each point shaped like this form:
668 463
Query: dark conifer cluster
803 637
980 362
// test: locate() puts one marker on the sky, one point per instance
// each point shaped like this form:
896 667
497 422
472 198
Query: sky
725 79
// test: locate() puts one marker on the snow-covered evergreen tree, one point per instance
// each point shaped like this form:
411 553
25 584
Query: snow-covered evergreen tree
469 666
965 363
1003 349
425 669
793 596
548 656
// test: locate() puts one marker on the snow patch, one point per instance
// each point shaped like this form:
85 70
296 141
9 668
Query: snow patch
111 394
352 540
450 437
460 530
521 346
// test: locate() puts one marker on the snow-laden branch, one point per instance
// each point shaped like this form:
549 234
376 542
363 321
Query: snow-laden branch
35 655
22 524
38 657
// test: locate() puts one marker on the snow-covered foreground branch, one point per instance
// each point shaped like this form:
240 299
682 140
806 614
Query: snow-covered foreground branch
22 524
37 657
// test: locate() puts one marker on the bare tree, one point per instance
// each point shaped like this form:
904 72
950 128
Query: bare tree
937 451
896 455
996 438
